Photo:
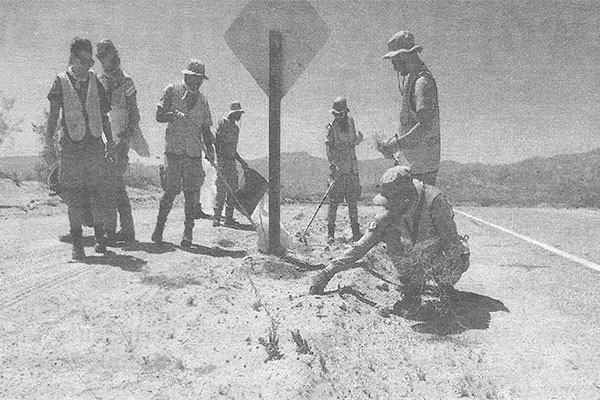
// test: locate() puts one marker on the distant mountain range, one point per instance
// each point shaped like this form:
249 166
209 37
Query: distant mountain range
566 180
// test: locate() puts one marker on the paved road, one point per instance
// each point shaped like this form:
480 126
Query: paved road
550 338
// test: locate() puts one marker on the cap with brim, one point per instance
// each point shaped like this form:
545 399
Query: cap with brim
402 42
396 183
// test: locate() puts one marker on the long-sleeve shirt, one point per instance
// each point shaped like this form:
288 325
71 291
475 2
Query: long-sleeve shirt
226 140
122 92
398 232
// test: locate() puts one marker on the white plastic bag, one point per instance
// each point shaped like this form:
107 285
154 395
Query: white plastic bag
262 228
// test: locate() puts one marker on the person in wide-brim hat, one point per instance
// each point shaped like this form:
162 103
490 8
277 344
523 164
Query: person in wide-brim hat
418 140
417 226
235 108
403 42
197 68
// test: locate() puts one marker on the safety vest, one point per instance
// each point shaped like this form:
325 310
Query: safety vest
343 145
78 116
423 150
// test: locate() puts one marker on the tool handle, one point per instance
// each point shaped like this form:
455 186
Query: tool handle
230 190
319 207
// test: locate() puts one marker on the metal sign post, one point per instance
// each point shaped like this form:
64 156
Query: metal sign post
275 56
275 40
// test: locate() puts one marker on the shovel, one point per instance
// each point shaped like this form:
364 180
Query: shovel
302 235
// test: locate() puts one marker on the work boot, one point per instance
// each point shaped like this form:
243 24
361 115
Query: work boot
157 235
77 252
166 203
217 216
200 214
356 233
100 246
319 282
161 220
186 241
229 221
111 238
330 234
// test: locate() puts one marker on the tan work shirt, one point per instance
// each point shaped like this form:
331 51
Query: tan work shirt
184 136
340 145
400 233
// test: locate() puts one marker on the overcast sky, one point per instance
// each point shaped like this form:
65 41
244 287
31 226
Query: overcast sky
516 79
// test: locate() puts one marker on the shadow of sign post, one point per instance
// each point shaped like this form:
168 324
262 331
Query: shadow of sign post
275 41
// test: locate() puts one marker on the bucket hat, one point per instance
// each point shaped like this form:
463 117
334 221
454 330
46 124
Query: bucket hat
196 67
235 107
403 42
339 106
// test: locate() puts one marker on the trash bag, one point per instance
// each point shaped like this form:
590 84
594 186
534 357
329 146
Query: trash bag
262 228
252 191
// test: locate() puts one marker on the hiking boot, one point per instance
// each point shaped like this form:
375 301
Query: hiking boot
100 248
186 241
330 233
77 252
319 282
157 235
99 233
111 239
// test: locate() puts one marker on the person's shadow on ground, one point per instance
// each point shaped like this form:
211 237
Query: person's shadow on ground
457 314
149 247
124 261
240 227
213 251
441 316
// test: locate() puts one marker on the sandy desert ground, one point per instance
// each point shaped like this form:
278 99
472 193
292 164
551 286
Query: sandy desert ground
216 321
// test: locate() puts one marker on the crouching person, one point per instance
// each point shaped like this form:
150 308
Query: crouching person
418 229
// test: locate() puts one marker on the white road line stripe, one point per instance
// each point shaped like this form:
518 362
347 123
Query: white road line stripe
554 250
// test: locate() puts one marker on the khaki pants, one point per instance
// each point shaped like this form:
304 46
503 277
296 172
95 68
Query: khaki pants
227 170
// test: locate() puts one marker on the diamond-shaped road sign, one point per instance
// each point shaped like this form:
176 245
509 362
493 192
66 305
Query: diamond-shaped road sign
302 30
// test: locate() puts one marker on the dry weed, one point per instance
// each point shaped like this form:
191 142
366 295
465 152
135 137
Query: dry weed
302 346
271 344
